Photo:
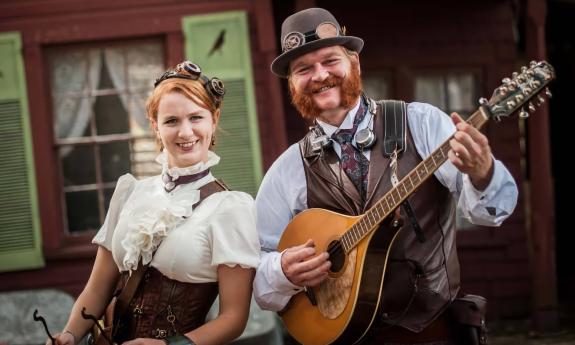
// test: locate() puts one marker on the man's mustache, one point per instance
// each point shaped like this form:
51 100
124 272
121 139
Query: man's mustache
330 81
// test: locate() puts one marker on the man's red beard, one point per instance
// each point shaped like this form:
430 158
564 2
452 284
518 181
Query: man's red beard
350 88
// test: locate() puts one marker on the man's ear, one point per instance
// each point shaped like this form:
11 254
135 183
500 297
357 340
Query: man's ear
356 57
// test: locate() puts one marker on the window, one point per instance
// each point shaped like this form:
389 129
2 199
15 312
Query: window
452 91
376 85
449 92
100 126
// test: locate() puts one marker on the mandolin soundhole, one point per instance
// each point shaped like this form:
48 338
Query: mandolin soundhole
336 256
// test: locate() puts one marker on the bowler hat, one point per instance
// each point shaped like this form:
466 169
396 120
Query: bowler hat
309 30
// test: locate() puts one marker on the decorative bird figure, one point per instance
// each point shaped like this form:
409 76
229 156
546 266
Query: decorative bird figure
218 43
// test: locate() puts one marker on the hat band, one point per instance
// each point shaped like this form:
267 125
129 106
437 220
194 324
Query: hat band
296 39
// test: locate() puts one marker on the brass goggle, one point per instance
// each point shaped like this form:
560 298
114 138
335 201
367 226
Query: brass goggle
191 71
295 39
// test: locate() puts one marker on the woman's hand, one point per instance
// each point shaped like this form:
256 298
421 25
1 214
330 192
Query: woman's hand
144 341
64 338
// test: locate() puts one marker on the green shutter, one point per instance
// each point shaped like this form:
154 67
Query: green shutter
238 142
20 241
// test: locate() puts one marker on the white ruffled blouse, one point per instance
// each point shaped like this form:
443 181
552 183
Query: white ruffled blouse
189 243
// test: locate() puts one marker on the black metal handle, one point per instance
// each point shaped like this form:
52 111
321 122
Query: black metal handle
41 319
96 321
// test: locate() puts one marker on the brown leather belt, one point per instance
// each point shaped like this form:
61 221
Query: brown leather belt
440 330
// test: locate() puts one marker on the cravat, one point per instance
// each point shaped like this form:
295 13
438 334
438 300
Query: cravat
352 160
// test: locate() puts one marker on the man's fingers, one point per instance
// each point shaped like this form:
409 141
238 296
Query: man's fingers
310 269
312 277
473 132
293 256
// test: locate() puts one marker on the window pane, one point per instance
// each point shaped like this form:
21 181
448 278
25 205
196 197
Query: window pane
78 165
430 89
376 86
110 114
108 192
461 92
74 75
111 117
82 209
115 158
144 153
146 63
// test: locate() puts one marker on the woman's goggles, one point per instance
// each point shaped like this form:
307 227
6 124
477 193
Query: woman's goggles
295 39
191 71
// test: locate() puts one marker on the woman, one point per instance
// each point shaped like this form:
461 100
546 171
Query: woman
195 248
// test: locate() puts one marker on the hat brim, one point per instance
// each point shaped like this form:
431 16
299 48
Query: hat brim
280 65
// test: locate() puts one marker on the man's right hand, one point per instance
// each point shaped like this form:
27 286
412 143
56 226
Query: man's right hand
302 267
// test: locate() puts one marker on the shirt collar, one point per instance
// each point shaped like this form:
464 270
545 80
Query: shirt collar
346 124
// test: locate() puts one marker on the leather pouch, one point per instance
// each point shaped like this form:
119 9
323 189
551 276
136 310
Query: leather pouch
468 313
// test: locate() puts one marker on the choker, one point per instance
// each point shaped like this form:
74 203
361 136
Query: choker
170 183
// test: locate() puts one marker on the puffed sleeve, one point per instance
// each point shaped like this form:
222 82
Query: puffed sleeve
233 233
124 188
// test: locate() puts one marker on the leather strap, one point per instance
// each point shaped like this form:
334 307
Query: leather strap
127 293
394 143
394 116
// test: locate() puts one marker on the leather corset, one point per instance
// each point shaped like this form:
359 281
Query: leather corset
162 307
421 278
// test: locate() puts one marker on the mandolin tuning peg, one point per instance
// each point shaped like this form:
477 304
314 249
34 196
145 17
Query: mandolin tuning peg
533 63
531 107
523 114
506 81
548 92
527 91
523 69
540 100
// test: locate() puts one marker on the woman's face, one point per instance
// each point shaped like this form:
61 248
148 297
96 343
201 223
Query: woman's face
185 129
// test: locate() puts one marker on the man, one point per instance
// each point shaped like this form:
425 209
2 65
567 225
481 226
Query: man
323 70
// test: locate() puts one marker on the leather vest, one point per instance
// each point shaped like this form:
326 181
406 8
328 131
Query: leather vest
422 278
162 307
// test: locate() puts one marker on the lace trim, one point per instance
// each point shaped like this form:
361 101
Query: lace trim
176 172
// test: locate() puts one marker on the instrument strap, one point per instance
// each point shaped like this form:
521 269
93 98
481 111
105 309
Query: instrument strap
394 143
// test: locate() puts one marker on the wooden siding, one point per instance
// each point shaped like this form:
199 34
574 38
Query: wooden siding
43 24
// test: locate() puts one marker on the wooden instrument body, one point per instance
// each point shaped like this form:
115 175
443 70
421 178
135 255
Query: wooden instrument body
357 286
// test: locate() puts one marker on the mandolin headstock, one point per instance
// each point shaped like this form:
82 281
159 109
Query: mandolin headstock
520 91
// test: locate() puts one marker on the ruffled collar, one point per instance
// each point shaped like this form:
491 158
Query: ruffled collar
176 172
154 214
